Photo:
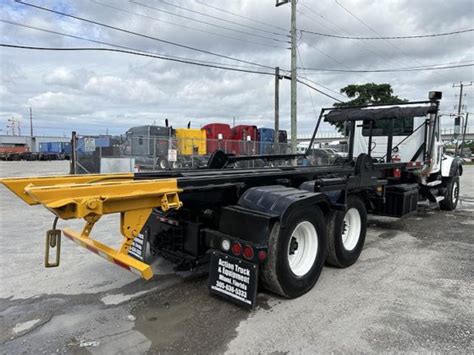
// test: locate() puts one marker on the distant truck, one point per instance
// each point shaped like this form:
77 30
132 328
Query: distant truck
218 135
271 228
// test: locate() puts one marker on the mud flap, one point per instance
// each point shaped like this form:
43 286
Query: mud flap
233 279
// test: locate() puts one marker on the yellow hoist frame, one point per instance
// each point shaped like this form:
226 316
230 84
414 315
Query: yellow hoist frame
89 197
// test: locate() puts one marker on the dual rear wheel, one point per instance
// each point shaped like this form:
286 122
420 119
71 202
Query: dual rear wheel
346 233
297 251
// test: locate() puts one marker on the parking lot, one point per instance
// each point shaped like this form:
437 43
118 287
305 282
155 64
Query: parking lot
411 290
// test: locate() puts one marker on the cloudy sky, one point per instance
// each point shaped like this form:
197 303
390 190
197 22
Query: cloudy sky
99 92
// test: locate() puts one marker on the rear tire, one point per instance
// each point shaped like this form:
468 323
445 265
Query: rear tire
295 254
451 195
346 233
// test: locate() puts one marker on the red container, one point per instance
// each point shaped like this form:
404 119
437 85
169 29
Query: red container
218 136
14 149
244 140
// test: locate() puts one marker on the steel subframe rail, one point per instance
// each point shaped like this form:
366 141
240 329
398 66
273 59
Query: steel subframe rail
190 178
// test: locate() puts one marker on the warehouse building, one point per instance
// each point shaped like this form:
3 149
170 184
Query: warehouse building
28 143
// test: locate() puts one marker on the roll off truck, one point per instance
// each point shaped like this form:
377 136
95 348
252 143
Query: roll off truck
271 228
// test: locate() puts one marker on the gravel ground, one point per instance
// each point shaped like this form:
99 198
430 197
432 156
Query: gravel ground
411 291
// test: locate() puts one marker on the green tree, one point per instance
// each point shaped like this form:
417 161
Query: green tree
366 94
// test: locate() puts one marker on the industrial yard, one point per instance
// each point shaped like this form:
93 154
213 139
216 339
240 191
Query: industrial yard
410 291
245 177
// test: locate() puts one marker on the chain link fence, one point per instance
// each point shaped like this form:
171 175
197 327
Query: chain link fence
108 154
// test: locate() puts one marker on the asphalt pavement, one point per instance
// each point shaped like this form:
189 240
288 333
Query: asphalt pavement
410 291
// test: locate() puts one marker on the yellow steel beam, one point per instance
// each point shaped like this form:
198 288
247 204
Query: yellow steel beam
80 200
120 259
17 185
92 196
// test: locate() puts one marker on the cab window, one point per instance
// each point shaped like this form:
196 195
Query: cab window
401 127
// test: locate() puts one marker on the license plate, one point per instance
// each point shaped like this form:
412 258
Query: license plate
233 279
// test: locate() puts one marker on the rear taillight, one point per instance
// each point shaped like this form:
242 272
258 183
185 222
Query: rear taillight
397 173
248 252
262 255
236 248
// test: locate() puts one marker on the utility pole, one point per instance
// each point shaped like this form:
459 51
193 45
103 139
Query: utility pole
293 77
72 169
14 123
457 119
31 122
277 104
293 100
464 132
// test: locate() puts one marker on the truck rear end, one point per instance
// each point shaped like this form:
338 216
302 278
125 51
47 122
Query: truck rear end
272 226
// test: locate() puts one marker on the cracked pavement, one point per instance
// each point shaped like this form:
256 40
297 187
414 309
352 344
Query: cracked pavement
410 291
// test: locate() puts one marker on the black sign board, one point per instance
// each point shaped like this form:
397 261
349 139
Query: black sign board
138 247
234 279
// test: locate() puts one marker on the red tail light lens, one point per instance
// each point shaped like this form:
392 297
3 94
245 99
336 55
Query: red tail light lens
236 248
262 255
248 252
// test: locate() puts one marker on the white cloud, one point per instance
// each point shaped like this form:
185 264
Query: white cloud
3 91
60 103
85 90
118 89
64 76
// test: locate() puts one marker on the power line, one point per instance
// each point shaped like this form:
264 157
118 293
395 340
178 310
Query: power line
114 45
142 35
391 70
133 53
315 89
440 64
241 16
325 87
363 44
207 23
366 45
367 71
313 82
181 25
328 56
220 65
390 37
375 31
323 17
217 18
309 90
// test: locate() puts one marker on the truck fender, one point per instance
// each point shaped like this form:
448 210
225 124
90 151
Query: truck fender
280 201
451 166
